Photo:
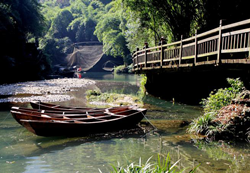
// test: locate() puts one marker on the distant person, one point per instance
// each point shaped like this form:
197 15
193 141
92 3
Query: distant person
145 45
162 42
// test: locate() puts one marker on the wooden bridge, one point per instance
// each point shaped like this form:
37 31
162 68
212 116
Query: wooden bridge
229 44
189 69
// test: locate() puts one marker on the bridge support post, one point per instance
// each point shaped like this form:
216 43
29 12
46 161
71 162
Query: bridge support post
195 48
219 44
180 53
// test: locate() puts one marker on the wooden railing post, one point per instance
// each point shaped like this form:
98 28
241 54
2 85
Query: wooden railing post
162 54
219 45
195 48
180 53
146 46
137 49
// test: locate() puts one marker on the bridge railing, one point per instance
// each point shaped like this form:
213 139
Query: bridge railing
201 49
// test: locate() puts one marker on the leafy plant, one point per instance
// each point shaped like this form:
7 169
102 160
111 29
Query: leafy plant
90 93
158 167
206 123
222 97
142 91
201 124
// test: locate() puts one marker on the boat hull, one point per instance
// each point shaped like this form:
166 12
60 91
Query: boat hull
55 128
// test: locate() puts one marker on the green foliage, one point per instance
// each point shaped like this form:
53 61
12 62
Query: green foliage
201 124
119 69
112 97
90 93
60 24
109 32
69 23
142 91
162 165
222 97
212 104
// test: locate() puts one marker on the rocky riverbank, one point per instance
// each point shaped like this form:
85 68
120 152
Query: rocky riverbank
54 90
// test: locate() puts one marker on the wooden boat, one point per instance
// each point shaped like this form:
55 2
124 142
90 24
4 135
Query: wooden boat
53 111
35 114
49 106
94 123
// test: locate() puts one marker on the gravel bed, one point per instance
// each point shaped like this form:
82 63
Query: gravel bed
45 98
52 90
52 86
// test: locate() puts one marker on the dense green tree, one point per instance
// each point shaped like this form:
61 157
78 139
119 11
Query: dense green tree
19 20
176 16
70 24
109 31
60 24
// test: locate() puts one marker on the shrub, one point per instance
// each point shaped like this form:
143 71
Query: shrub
209 123
222 97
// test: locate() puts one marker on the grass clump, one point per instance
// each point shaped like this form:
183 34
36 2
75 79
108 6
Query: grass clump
221 118
90 93
113 98
160 166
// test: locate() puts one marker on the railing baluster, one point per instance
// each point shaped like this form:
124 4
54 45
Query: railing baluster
226 43
231 41
219 44
245 37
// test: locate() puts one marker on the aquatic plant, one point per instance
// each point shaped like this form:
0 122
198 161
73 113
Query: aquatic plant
162 165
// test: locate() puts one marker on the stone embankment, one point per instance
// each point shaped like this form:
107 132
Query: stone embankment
53 90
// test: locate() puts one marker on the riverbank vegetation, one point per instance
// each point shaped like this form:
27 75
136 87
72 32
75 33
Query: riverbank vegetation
226 114
112 98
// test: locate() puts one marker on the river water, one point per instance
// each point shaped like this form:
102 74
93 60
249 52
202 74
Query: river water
24 152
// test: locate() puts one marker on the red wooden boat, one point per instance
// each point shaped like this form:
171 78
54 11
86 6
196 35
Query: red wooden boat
35 114
49 106
21 109
94 123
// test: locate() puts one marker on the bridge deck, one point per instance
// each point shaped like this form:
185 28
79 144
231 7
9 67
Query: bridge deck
229 44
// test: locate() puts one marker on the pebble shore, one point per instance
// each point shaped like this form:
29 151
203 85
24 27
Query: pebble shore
45 90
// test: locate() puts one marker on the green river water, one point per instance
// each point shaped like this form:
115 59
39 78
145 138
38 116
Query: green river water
24 152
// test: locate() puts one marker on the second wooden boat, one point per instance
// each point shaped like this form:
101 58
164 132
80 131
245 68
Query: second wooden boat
94 123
